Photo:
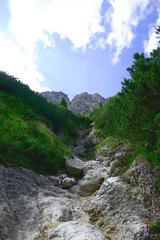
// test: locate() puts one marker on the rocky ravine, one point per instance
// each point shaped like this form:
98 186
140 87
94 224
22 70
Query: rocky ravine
92 201
83 103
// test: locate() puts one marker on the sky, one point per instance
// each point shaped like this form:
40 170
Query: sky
75 46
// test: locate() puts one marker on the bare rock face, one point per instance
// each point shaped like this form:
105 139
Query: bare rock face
75 231
114 157
55 97
83 103
29 204
121 215
142 177
68 182
86 143
33 208
74 167
94 175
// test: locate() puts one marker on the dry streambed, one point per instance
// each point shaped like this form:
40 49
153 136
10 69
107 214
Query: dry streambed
92 201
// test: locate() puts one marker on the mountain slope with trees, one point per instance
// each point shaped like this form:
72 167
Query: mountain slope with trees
134 113
30 126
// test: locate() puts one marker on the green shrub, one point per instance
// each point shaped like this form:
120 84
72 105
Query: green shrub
134 113
28 124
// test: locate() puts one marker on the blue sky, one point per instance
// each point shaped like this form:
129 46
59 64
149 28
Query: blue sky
75 46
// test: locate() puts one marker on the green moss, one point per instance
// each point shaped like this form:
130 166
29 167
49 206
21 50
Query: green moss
155 228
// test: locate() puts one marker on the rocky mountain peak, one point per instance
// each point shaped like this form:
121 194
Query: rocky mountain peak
85 103
82 103
55 97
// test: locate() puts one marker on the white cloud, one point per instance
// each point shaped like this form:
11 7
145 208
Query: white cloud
152 42
124 16
32 21
13 61
77 20
80 21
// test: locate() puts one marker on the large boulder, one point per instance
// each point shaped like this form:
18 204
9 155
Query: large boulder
94 175
75 231
68 182
74 167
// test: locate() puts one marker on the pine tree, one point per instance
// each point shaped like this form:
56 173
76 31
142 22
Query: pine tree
63 102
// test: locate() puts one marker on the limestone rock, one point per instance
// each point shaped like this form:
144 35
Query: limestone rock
85 103
68 182
122 215
74 167
55 97
30 203
100 203
94 175
142 177
82 103
75 231
114 157
86 143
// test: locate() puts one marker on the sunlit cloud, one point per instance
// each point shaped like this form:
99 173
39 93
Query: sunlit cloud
123 17
33 20
13 61
80 21
152 42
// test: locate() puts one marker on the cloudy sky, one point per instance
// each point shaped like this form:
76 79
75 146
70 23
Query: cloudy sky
75 46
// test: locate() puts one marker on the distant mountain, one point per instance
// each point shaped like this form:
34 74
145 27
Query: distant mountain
83 103
56 97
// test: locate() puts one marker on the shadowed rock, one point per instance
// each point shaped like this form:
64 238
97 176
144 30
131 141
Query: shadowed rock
74 167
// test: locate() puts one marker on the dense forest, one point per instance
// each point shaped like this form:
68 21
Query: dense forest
34 132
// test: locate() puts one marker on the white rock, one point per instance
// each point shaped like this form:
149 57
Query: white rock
74 166
68 182
75 231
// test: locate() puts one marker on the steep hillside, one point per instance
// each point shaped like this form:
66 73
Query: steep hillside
29 125
134 113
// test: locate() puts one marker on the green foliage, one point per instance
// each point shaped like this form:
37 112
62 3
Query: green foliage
63 103
58 118
27 143
156 227
110 142
28 124
134 113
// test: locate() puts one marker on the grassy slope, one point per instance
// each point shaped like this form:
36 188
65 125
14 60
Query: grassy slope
27 123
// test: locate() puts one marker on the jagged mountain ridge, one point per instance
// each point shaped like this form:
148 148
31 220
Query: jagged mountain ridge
82 103
56 96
